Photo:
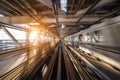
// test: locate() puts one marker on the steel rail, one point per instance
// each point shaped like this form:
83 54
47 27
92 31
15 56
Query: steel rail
50 66
103 76
72 73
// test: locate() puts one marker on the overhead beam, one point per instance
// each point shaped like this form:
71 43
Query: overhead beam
107 15
12 26
56 16
89 9
46 2
84 11
27 20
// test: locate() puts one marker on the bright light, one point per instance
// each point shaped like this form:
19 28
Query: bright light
42 37
16 33
81 26
22 25
62 26
1 15
3 35
33 35
32 24
63 5
53 26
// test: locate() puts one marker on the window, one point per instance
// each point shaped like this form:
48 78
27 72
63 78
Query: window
98 38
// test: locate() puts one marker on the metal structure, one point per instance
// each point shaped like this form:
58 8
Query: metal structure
71 40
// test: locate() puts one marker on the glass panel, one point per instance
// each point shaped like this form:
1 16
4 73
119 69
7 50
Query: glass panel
3 35
17 33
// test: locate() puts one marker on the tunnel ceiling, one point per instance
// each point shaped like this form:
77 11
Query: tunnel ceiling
61 17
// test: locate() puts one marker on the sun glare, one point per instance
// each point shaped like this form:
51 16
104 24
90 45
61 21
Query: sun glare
33 35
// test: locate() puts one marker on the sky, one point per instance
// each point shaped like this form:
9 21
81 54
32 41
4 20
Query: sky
16 33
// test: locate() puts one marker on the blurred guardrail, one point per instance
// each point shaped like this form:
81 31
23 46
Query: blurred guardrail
10 44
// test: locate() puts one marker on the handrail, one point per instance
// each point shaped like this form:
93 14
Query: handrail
32 73
22 64
6 45
8 73
16 51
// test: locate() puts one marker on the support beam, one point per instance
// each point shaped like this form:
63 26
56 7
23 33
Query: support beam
27 19
48 3
56 16
89 9
11 36
11 26
107 16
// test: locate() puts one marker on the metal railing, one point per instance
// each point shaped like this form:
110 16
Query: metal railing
6 45
16 73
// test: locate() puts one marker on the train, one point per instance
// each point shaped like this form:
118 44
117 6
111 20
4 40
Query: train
105 34
101 41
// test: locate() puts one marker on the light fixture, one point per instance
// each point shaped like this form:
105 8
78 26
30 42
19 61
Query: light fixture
1 15
63 4
81 26
62 26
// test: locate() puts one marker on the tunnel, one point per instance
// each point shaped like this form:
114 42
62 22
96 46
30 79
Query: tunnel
59 39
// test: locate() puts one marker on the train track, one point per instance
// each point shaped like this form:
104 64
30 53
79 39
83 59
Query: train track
63 63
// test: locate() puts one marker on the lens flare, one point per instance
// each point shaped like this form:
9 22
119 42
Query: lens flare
33 35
